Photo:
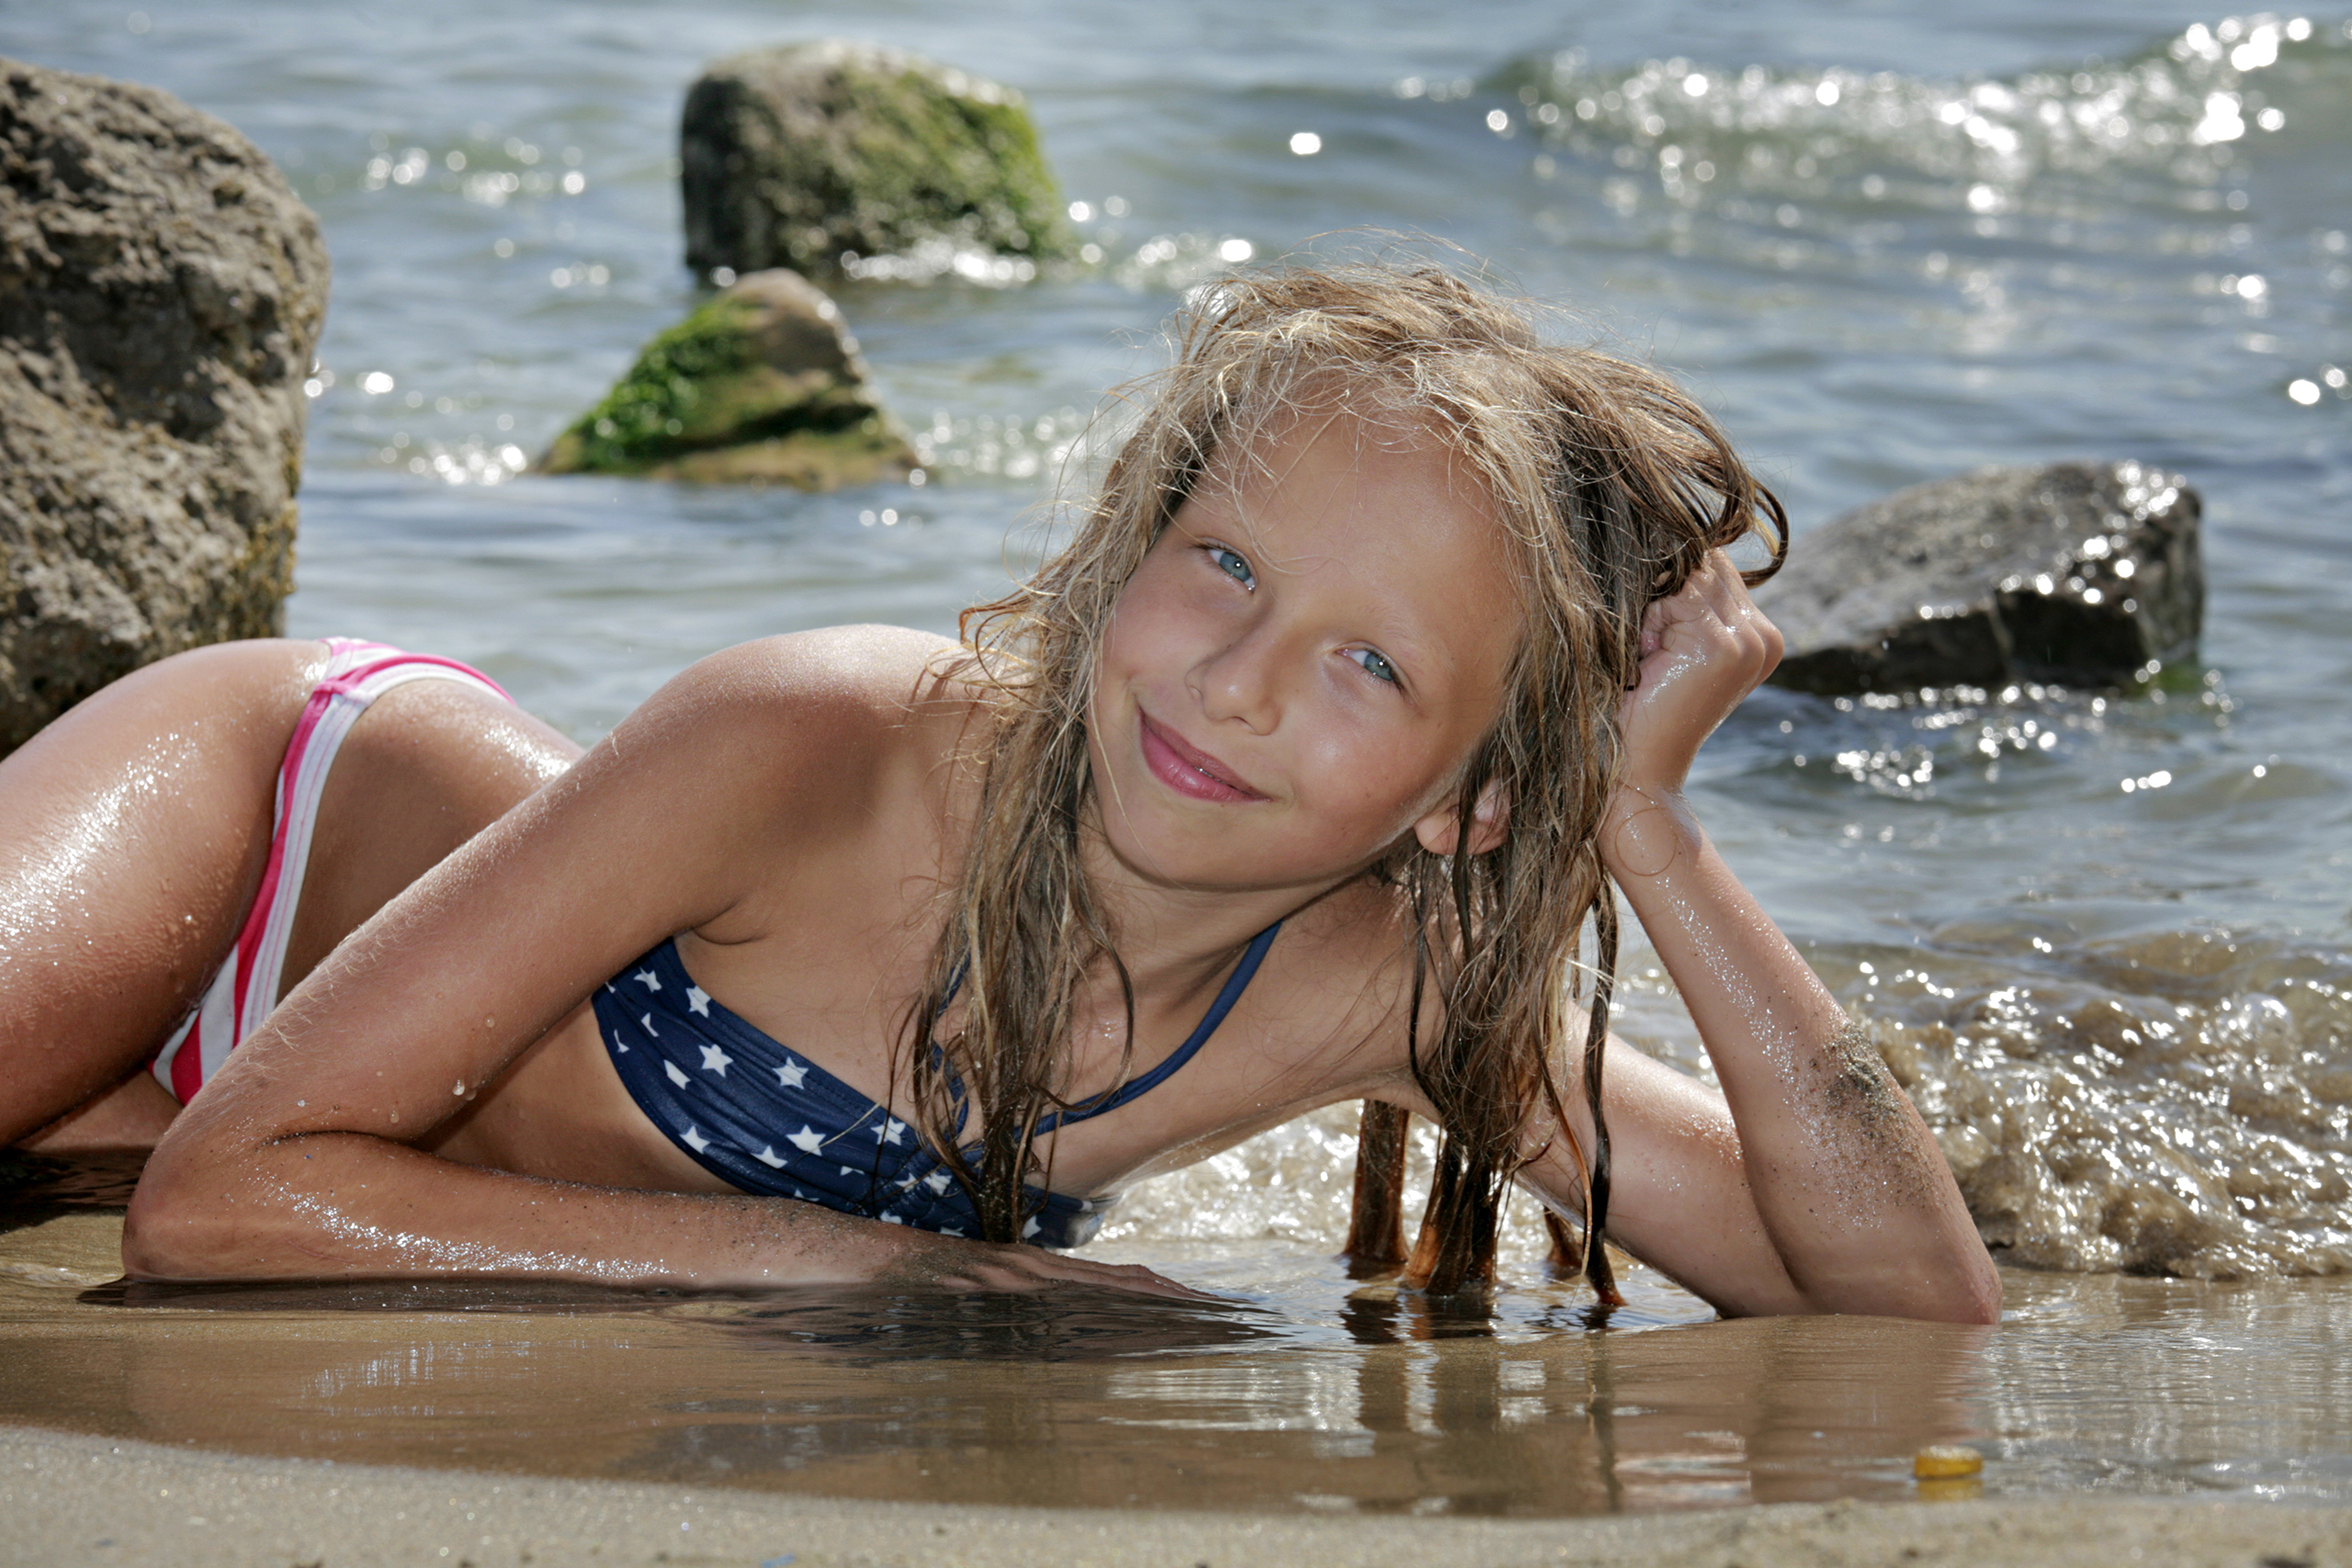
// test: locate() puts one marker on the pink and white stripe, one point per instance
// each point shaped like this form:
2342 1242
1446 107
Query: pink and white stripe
245 988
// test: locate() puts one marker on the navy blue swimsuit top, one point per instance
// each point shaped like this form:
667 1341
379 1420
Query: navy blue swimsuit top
760 1118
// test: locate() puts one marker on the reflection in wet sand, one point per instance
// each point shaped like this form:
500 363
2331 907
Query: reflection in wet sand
1309 1392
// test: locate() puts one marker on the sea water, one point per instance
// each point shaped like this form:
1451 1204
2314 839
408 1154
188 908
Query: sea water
2101 935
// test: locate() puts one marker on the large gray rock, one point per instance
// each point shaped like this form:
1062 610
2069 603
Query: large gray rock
2075 573
161 289
799 155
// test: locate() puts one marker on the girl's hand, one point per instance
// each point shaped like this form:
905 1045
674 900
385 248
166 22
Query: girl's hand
979 1266
1703 649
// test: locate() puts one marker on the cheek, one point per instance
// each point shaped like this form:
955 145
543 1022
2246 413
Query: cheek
1379 785
1143 623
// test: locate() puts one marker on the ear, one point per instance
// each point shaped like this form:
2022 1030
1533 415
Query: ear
1439 831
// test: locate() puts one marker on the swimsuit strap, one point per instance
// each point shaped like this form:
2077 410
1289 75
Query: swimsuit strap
1234 985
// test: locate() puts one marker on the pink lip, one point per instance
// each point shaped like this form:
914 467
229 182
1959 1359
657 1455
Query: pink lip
1187 770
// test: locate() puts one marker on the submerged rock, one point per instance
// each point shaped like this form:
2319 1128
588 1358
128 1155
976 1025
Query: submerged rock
161 290
2078 572
802 156
760 383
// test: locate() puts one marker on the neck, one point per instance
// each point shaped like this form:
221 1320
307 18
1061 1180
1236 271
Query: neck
1172 936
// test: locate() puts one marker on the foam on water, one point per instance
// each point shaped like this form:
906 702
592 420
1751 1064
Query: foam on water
2177 1103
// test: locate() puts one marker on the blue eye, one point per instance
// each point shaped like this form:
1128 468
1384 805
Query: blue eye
1234 564
1377 665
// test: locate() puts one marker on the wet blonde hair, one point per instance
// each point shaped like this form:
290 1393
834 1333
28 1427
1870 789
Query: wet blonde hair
1614 488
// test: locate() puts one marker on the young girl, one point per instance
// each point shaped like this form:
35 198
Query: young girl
1369 677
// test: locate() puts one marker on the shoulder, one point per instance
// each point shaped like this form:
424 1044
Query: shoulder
811 726
836 674
856 692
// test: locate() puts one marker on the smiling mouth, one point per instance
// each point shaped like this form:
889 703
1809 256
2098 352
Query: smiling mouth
1187 770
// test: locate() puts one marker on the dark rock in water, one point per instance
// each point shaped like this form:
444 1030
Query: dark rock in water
802 156
761 382
2075 573
161 289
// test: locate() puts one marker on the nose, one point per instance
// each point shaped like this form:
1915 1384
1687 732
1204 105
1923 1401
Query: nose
1242 681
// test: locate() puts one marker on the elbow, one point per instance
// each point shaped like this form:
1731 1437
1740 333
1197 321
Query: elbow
1970 1295
177 1226
158 1240
1981 1299
1962 1290
1968 1290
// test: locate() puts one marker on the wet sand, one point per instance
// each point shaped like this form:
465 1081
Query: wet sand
68 1500
2169 1422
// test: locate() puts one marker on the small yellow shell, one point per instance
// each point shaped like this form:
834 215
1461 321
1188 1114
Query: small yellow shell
1945 1461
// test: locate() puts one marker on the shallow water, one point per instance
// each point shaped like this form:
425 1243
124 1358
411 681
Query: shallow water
2105 932
2104 935
1309 1392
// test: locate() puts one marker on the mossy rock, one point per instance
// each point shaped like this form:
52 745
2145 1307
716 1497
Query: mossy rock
800 155
759 384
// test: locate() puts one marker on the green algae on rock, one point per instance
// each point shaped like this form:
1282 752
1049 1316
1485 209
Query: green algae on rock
811 155
760 383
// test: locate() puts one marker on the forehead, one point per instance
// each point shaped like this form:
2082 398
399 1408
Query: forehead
1379 505
1369 484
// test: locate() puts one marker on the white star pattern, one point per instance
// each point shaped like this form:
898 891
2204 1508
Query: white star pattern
917 1172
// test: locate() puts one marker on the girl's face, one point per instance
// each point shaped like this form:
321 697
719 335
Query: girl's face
1296 675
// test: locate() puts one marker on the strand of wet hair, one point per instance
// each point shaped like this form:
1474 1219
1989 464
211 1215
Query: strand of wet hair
1596 1185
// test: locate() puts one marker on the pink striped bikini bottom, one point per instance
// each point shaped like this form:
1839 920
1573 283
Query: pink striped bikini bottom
245 987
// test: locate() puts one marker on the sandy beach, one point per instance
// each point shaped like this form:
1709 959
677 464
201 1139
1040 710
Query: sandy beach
69 1500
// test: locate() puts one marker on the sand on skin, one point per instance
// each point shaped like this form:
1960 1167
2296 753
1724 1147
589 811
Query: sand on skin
68 1500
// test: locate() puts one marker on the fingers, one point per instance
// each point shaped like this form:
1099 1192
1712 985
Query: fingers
1028 1270
1716 616
1705 647
1655 617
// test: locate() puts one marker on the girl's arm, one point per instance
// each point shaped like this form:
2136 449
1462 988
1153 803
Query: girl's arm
1825 1193
296 1160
